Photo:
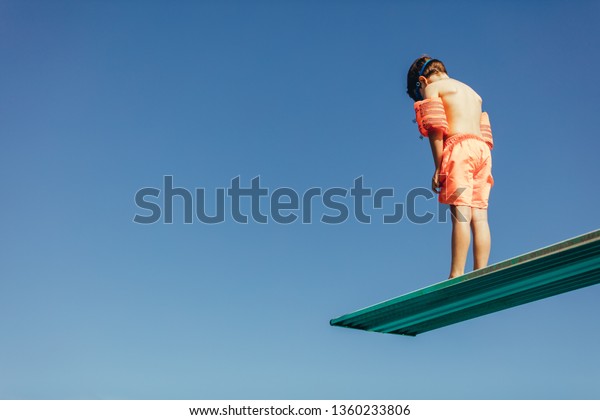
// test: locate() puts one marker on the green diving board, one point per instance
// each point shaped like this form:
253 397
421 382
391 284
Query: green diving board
559 268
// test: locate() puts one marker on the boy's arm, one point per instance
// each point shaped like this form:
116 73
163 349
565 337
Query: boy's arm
436 140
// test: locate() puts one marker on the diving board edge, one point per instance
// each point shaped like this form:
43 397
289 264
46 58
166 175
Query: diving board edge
540 269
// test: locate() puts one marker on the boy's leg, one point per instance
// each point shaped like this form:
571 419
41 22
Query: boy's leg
481 238
461 238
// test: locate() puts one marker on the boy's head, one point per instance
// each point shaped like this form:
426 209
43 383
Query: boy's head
423 66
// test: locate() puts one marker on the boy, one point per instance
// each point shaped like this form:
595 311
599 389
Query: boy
449 113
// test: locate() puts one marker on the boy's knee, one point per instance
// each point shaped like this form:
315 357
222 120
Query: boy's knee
479 215
461 214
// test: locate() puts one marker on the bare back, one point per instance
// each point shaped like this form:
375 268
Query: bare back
461 103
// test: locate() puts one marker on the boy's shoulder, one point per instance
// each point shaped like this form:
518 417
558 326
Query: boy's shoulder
443 87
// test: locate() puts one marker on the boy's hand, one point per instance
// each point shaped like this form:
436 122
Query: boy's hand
435 182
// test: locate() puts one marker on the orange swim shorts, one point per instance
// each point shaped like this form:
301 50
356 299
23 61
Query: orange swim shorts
466 171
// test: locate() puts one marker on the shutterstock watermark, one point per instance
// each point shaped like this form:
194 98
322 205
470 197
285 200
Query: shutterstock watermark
284 205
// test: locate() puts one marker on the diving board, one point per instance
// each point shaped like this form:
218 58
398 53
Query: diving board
559 268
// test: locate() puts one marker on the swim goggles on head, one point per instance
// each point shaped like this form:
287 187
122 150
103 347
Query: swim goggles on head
418 85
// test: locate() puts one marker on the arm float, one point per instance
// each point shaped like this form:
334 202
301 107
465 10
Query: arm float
486 129
431 116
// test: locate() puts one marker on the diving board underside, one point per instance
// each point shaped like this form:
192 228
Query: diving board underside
556 269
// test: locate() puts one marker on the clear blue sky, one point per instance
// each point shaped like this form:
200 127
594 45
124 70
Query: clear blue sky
102 98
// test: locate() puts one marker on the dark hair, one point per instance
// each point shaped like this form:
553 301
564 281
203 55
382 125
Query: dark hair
433 66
